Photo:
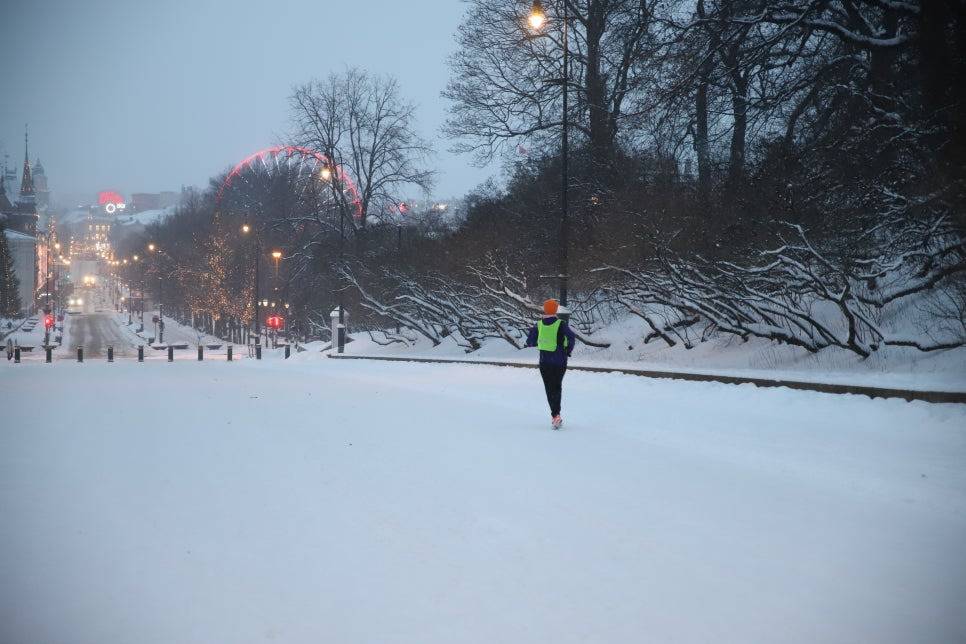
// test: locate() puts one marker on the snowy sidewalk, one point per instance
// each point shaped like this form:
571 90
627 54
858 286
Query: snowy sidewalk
315 500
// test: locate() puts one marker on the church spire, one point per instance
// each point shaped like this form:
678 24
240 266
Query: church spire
27 185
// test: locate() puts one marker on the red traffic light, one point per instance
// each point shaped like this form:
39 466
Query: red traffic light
49 321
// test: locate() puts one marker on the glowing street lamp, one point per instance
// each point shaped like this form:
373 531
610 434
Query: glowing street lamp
276 255
153 248
537 16
246 229
537 19
326 174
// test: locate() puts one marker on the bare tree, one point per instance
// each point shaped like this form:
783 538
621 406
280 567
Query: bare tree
367 130
499 79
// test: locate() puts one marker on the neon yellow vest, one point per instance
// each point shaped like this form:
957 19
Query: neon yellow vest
547 335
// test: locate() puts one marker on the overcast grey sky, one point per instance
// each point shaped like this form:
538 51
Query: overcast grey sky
147 95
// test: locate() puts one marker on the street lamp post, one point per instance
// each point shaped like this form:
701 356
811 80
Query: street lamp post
537 20
160 309
326 174
276 255
47 277
137 260
60 258
157 264
258 251
130 291
56 275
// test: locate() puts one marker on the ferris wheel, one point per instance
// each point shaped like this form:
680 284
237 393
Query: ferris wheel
302 164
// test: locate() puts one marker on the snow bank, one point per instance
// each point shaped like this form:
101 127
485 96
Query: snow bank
144 217
896 367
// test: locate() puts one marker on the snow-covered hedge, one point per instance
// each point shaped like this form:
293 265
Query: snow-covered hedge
904 284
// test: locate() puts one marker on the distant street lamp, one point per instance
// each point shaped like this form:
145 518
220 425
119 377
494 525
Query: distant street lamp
56 275
537 19
258 325
130 297
326 175
157 265
276 255
137 259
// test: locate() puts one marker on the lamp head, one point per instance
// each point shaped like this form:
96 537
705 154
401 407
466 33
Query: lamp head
537 17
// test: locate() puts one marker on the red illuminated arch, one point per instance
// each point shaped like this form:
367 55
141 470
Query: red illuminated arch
109 196
264 157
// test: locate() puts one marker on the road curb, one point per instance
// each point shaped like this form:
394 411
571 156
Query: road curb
826 388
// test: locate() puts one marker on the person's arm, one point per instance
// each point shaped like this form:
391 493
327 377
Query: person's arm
571 339
531 337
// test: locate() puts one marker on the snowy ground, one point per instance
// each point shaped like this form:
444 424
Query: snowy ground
352 501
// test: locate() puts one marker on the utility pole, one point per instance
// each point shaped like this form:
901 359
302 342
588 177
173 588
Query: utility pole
258 324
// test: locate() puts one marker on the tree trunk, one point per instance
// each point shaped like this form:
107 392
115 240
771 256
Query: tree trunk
701 145
739 105
595 93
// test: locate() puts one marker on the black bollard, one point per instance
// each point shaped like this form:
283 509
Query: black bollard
110 354
80 354
16 354
140 353
170 353
229 353
50 354
288 351
201 352
258 352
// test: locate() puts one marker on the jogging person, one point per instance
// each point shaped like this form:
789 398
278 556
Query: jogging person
556 342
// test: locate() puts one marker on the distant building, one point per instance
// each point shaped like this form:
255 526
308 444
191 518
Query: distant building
170 198
24 216
8 181
97 236
21 220
41 190
142 201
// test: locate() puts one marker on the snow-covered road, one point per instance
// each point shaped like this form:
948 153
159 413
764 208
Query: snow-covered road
322 501
96 332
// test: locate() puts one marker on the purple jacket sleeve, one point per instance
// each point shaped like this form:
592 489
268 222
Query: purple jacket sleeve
571 340
532 337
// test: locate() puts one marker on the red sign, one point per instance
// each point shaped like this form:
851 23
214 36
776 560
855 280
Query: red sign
275 322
